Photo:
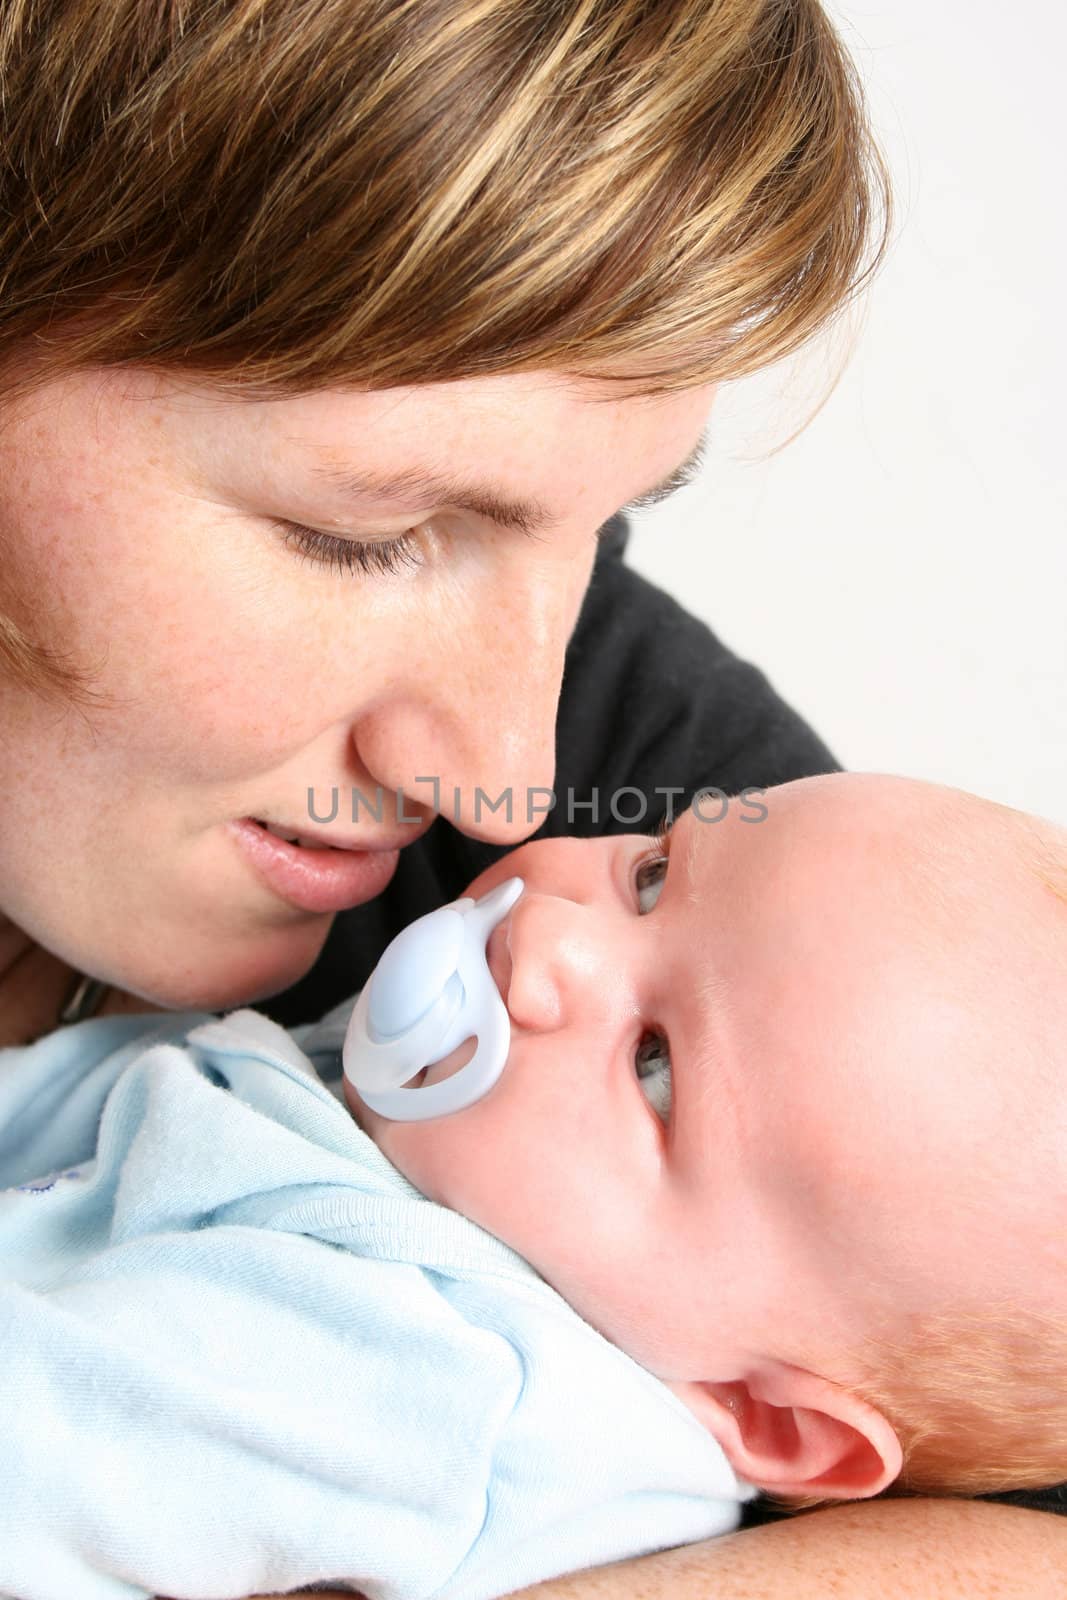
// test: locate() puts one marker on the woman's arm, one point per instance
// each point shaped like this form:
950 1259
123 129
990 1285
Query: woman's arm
910 1549
867 1550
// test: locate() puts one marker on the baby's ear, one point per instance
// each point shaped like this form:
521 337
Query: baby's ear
788 1431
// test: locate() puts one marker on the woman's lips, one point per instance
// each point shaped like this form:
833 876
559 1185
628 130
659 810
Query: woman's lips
314 880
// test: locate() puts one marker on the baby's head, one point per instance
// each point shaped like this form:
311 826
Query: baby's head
837 1230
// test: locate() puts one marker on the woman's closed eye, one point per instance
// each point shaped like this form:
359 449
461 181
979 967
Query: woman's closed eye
368 558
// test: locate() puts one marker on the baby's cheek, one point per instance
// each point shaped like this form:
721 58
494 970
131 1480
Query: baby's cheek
468 1160
450 1162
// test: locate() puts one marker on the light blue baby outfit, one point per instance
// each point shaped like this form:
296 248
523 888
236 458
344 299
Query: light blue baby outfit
242 1354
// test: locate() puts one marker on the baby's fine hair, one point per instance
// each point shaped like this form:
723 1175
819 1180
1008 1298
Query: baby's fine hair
282 197
978 1402
977 1395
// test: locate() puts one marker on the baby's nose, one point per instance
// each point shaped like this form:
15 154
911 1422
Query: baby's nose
560 963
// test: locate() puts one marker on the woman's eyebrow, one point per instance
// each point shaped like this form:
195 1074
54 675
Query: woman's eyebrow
414 486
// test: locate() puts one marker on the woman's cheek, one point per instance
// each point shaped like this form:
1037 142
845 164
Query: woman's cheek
203 664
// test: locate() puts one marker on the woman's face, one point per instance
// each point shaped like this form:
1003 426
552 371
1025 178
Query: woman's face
147 535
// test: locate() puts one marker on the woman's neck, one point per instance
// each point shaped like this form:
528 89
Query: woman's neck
34 984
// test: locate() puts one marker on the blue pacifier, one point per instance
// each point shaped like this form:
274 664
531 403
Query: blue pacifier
432 990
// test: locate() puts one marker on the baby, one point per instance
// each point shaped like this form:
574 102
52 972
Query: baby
769 1193
831 1219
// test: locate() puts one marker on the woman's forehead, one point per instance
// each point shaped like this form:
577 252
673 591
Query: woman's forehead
528 453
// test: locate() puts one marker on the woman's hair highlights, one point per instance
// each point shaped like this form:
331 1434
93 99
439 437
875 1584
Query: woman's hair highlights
288 196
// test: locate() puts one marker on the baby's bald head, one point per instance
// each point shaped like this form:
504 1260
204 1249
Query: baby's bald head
966 1350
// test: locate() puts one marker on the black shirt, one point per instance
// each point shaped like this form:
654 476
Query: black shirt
651 701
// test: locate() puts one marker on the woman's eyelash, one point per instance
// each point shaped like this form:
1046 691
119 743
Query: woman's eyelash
381 558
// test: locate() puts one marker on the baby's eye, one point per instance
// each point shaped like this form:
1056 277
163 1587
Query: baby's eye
650 1053
652 1059
648 878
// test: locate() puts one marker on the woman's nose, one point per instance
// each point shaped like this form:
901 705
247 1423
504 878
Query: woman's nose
469 727
567 964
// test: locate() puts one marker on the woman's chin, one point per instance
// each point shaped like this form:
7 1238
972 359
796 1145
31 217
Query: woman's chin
223 984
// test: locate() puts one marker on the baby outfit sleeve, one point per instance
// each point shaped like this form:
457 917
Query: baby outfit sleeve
243 1355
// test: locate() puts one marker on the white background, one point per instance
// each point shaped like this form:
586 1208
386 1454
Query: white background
900 569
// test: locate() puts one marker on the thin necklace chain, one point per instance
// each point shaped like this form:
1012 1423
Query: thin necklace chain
83 999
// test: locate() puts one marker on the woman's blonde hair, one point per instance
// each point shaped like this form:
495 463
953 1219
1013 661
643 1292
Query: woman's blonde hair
285 195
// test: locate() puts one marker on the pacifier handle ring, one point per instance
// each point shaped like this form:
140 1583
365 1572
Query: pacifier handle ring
461 1089
388 1061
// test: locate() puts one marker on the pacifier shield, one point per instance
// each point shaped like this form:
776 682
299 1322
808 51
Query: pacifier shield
431 992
